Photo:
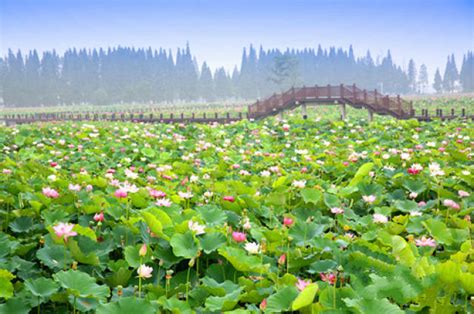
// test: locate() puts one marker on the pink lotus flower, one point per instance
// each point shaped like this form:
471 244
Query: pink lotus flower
229 198
164 202
413 171
451 203
239 236
142 251
304 170
64 230
144 271
424 241
337 210
329 278
89 188
369 198
74 187
263 304
6 171
121 193
288 221
462 193
157 194
51 193
53 164
302 284
379 218
99 217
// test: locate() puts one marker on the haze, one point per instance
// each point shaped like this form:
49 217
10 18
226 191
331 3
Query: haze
426 31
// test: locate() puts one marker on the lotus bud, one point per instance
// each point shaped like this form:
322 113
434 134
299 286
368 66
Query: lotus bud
142 251
192 261
74 265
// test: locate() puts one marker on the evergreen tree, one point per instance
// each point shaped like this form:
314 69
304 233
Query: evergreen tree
438 82
206 83
423 78
412 75
450 75
467 73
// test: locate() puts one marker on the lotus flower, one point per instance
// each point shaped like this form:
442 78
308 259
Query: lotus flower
239 236
369 198
144 271
452 204
196 227
424 241
51 193
99 217
121 193
302 284
252 247
299 184
337 210
329 278
379 218
64 230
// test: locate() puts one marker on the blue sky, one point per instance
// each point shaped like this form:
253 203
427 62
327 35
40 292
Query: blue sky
426 30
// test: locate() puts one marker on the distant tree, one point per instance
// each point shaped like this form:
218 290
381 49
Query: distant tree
412 75
423 78
284 72
223 86
127 74
450 75
467 73
206 83
438 82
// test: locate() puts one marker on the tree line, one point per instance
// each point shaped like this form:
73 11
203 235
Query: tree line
127 74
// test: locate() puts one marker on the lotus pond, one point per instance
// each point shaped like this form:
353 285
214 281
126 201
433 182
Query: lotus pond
269 216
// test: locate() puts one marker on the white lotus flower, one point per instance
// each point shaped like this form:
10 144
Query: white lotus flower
252 247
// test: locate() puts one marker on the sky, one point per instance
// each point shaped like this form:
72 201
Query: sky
217 31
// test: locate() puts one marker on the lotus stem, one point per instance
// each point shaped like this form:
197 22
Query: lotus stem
187 283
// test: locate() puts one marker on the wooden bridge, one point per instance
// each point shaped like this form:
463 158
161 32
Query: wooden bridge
341 95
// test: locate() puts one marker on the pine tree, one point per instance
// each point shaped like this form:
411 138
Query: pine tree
438 82
451 75
467 73
206 83
423 78
412 75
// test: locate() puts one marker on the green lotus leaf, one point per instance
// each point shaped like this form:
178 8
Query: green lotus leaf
81 284
184 245
126 306
282 299
41 287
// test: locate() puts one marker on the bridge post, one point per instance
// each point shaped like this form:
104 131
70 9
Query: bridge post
354 93
329 91
303 110
343 111
371 115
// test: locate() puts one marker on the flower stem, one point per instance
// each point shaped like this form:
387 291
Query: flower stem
288 257
334 295
187 283
140 281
